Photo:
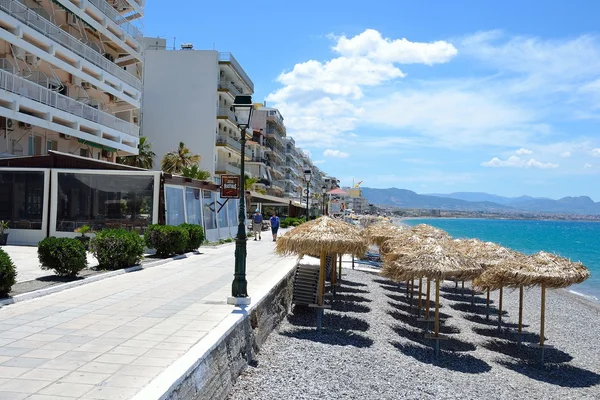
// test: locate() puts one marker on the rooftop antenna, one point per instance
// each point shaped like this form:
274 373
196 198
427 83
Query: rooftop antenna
213 46
174 37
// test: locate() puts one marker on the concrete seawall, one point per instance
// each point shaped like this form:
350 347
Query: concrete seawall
214 373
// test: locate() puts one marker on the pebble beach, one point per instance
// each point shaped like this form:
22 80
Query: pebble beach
373 347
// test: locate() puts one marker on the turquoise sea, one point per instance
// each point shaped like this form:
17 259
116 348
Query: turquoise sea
578 241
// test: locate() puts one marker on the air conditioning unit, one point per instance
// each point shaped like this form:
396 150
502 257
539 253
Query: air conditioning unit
10 124
25 125
72 19
63 136
86 85
33 60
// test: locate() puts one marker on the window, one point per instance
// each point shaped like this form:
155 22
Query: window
22 199
51 145
83 152
175 213
222 214
193 206
209 211
232 206
104 201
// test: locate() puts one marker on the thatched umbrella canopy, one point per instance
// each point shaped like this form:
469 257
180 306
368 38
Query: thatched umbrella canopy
324 234
551 271
425 230
380 232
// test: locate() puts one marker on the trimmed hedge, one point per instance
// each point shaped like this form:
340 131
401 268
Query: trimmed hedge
195 236
65 256
8 274
117 248
286 223
166 239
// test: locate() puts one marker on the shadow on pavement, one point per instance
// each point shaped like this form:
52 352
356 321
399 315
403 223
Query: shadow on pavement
492 321
464 299
330 320
330 336
507 334
476 309
415 300
459 362
346 282
351 298
344 289
413 311
348 306
563 375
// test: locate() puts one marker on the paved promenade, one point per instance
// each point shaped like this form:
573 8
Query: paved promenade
109 339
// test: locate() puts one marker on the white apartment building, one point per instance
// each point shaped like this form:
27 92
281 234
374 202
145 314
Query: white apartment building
188 96
70 77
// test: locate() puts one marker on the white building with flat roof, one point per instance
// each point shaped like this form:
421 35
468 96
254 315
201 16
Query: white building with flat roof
70 77
188 96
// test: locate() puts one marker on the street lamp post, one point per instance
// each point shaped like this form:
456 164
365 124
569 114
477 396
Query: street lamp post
242 108
324 193
307 175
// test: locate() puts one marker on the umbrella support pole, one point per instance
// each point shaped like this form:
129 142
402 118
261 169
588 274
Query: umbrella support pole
520 328
412 294
436 326
500 311
463 289
472 294
340 268
542 323
322 268
455 285
420 302
352 261
333 280
487 306
407 287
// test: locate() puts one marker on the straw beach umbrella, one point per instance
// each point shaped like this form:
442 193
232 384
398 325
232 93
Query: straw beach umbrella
436 262
318 238
549 271
380 232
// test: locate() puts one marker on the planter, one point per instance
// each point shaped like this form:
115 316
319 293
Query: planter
3 239
85 241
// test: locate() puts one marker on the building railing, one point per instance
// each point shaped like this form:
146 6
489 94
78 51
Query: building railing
229 141
233 168
15 84
116 17
226 112
53 32
259 159
228 57
230 87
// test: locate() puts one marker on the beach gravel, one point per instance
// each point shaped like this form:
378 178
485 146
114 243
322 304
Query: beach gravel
372 347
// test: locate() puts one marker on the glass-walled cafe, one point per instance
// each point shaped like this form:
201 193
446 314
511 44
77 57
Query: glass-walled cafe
39 202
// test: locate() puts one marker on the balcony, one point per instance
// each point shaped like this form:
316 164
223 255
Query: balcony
33 91
226 113
263 160
53 32
229 58
223 140
117 18
233 168
229 87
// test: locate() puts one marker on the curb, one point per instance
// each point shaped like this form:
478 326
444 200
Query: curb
94 278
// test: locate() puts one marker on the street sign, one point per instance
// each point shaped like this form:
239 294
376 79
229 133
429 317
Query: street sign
230 186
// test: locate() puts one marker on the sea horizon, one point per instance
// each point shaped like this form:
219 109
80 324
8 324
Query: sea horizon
570 239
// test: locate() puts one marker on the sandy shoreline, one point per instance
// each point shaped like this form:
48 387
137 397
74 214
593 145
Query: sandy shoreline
373 348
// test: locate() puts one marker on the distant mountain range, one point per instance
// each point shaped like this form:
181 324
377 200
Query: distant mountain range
477 201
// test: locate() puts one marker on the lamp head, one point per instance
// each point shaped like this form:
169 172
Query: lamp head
242 108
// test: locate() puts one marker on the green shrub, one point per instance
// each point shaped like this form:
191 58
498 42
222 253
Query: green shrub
65 256
166 239
289 221
117 248
8 274
195 236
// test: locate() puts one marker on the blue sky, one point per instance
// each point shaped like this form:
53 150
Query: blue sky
432 96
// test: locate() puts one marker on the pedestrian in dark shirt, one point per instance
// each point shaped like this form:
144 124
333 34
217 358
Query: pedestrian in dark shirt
274 225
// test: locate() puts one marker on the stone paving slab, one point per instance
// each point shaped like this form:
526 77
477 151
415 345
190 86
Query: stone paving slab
109 339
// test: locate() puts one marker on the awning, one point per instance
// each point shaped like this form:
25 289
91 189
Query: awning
281 201
96 145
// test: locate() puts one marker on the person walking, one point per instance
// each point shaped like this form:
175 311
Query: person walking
257 220
274 225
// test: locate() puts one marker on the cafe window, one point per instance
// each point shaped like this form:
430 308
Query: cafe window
22 198
175 214
104 201
209 211
193 206
232 212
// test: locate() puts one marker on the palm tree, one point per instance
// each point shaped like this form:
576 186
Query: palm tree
195 172
175 160
145 157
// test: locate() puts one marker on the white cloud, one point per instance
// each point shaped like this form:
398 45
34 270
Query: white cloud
335 153
565 154
587 165
517 162
523 152
372 45
318 162
596 152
